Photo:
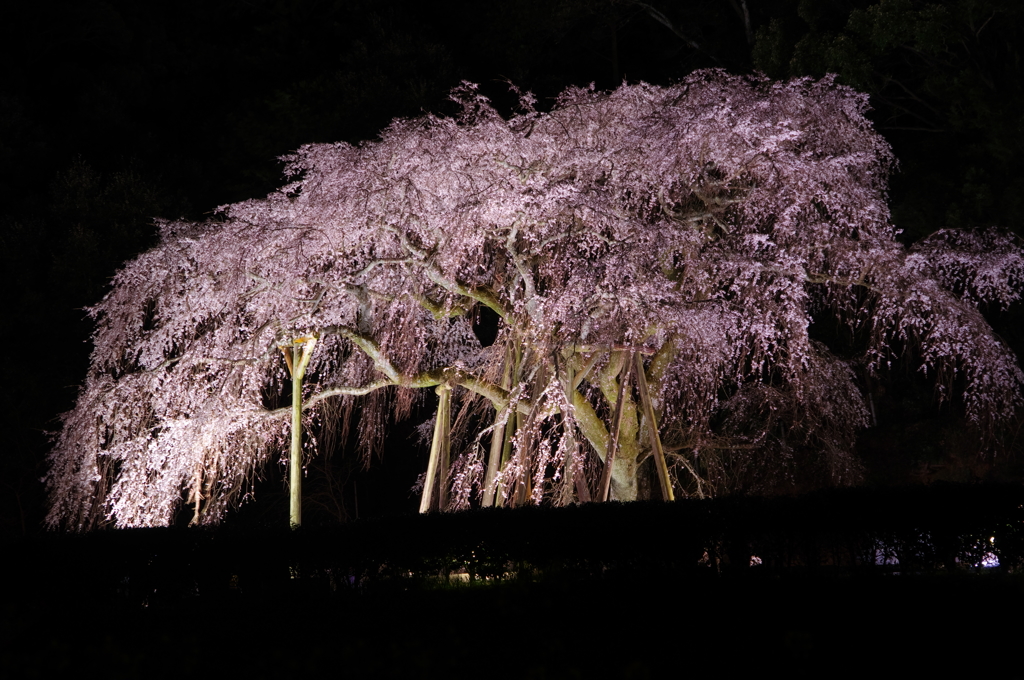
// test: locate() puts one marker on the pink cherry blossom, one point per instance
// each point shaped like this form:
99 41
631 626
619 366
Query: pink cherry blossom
702 226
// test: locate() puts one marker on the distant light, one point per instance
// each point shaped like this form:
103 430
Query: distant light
989 560
884 557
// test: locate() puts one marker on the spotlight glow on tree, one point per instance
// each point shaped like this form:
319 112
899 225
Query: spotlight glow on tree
653 256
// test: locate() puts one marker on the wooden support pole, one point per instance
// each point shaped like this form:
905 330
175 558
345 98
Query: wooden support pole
295 457
444 458
297 357
437 449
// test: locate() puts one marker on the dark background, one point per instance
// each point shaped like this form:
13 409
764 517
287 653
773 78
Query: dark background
112 113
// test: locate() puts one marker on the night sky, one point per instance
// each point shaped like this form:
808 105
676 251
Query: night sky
112 113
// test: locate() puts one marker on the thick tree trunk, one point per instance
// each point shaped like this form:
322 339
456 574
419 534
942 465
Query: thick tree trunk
494 458
575 481
506 455
612 466
516 355
613 382
664 480
624 484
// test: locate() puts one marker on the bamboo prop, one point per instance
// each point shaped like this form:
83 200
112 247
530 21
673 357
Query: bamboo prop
522 488
439 442
606 475
297 357
195 495
494 456
652 428
444 462
584 372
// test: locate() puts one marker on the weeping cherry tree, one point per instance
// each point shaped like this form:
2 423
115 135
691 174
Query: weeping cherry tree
652 258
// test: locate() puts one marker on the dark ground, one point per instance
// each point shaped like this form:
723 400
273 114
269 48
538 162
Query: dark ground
640 628
613 590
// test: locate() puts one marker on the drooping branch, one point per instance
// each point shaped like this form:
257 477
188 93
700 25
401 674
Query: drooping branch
422 259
